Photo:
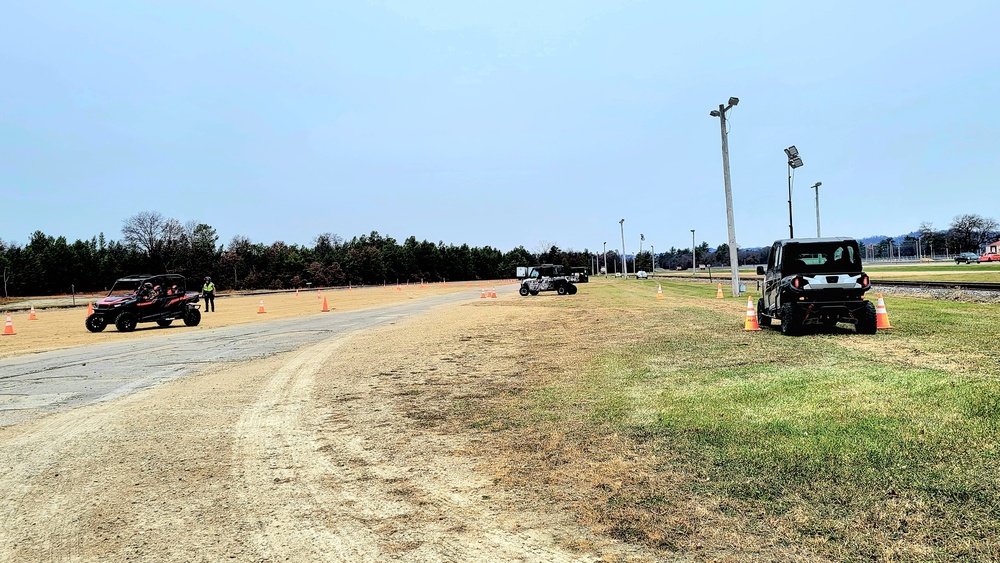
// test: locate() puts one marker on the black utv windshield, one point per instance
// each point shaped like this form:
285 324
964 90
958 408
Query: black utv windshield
821 258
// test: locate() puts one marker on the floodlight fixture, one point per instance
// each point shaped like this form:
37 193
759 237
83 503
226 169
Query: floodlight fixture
714 113
795 162
734 101
792 152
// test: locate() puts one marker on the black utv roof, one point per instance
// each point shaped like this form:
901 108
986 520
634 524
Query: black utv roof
815 240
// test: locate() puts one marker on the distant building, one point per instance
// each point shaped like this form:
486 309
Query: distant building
993 247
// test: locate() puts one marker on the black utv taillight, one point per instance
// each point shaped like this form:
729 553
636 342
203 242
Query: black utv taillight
797 282
865 282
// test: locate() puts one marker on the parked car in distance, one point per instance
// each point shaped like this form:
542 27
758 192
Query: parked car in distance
967 257
990 257
641 274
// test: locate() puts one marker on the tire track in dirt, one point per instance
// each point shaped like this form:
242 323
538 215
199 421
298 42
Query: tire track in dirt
41 488
350 478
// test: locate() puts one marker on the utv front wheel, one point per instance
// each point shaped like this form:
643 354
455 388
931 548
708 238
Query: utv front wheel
561 290
192 317
572 289
867 319
763 320
96 323
523 291
126 322
791 325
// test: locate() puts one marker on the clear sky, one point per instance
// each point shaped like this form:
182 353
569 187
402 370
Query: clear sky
499 123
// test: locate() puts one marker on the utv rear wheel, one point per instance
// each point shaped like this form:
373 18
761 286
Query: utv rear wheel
867 319
523 291
192 317
126 322
572 289
561 290
762 318
164 324
96 323
791 325
533 291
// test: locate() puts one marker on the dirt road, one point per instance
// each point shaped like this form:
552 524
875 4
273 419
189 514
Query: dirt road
321 453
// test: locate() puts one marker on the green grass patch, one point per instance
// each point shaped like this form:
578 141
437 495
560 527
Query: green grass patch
861 447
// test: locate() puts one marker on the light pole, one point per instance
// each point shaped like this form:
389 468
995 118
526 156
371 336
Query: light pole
694 263
605 259
624 265
652 255
642 239
793 162
816 187
734 267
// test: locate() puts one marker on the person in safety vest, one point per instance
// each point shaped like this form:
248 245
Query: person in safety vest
208 292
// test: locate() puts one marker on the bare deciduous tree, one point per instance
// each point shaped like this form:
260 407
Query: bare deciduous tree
144 231
969 232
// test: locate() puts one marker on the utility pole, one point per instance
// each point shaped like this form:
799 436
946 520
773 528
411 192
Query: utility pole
794 161
694 262
816 187
635 266
624 265
605 259
734 266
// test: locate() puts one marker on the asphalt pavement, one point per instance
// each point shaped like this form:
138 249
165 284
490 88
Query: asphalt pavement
39 384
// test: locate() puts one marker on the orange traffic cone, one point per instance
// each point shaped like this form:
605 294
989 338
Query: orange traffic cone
31 315
659 291
398 288
751 322
260 309
881 316
326 308
482 294
318 295
493 293
349 288
8 329
296 293
90 309
718 293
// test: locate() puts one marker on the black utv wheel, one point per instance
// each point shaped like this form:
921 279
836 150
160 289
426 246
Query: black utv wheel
192 317
533 292
96 323
572 289
164 324
867 319
791 324
126 322
762 318
523 291
561 290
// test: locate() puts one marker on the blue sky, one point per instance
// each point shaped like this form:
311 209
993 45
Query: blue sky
496 123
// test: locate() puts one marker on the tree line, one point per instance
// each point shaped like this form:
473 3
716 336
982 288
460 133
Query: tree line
152 243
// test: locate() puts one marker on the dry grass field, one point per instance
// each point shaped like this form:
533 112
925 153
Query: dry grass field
659 427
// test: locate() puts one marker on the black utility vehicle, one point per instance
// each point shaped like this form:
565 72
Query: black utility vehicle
144 298
815 281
